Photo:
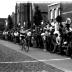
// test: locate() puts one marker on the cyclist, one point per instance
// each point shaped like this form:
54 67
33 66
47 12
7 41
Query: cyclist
26 41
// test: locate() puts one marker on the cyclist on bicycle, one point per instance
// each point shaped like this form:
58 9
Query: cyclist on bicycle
26 41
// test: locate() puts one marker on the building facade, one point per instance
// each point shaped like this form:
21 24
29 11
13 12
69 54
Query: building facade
2 24
63 9
44 11
53 11
23 13
66 10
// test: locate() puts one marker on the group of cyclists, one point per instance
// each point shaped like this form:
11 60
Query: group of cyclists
54 37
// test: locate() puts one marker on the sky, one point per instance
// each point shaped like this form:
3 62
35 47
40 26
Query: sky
8 6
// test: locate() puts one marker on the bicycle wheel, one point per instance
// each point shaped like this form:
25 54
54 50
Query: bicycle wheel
25 46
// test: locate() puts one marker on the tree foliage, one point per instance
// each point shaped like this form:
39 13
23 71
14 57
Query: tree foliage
37 16
10 22
59 18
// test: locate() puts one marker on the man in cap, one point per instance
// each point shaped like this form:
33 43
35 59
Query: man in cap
68 22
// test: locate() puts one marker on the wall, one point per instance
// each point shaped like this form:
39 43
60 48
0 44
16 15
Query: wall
23 12
66 10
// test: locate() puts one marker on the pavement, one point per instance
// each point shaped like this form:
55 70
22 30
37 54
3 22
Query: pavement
13 61
60 62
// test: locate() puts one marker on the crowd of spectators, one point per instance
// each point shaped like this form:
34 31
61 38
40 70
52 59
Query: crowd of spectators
56 36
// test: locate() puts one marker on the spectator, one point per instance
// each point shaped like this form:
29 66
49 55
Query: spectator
44 40
52 23
56 26
16 36
68 22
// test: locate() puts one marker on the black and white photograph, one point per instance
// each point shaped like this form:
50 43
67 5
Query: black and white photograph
35 36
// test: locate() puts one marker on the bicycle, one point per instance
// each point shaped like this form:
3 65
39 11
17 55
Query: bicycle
25 45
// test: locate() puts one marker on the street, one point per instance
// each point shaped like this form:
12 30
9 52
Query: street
12 59
46 27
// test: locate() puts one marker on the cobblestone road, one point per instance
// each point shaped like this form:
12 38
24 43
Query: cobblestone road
17 63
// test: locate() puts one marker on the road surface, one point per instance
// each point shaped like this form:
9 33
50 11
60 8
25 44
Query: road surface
35 60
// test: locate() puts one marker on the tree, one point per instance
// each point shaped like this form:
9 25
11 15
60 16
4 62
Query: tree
59 19
37 16
10 22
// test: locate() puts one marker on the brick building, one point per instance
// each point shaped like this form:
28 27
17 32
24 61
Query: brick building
53 11
24 12
66 10
44 10
2 24
63 9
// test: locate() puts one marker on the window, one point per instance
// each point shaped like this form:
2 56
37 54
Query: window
51 14
58 11
54 12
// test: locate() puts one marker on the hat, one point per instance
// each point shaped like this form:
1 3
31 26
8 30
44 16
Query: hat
68 20
42 34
